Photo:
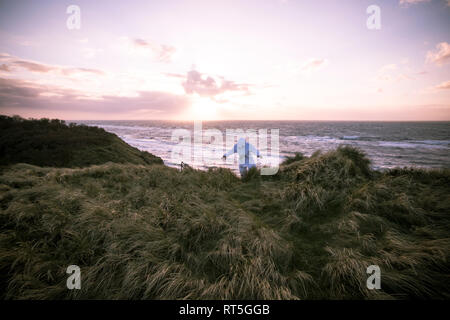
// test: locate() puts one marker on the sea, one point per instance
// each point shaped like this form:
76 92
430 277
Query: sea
386 144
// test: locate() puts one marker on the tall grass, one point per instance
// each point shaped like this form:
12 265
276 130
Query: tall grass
153 232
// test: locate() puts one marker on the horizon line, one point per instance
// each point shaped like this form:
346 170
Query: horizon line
218 120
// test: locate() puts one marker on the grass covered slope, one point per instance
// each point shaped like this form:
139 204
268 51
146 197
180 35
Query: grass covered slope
153 232
52 143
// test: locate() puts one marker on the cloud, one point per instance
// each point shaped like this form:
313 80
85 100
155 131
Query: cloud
5 68
441 56
32 66
90 53
314 64
11 89
175 75
70 71
396 72
35 96
406 3
161 52
207 86
25 95
444 85
387 71
12 62
52 92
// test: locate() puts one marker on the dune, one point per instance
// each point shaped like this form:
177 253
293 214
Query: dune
141 230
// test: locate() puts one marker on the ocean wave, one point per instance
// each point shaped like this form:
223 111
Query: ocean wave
428 144
434 142
121 127
361 138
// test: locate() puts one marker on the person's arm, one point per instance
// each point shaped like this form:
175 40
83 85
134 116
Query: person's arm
231 151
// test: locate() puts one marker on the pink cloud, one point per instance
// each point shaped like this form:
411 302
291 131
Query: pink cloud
30 96
175 75
396 72
70 71
162 52
207 86
5 68
314 64
32 66
444 85
37 67
25 95
441 56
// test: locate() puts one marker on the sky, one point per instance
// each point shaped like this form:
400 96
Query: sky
226 60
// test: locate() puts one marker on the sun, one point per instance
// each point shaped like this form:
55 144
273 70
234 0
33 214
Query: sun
204 109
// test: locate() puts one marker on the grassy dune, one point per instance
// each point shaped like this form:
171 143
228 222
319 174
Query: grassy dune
141 231
153 232
52 143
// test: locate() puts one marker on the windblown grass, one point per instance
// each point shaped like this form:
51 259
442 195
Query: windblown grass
153 232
